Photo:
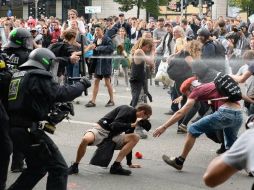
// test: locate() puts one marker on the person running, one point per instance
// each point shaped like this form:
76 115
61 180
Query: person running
228 117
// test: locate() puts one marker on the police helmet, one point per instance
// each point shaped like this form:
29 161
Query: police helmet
204 32
41 58
20 37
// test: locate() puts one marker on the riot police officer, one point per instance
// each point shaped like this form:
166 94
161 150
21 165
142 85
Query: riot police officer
18 48
32 93
5 141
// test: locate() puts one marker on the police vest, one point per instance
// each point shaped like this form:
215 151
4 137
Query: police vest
20 97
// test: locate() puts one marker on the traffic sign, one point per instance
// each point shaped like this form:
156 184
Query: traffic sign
92 9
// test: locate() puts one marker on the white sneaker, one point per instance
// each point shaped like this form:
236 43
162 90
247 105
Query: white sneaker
128 89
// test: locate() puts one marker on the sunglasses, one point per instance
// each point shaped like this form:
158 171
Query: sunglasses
44 28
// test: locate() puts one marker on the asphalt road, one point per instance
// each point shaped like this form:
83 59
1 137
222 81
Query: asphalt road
154 174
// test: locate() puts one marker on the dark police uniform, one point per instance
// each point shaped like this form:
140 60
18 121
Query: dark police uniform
18 56
32 93
18 48
5 141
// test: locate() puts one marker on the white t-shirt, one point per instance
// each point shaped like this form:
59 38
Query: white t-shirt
241 154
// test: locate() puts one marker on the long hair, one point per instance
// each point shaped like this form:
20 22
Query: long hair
194 48
140 43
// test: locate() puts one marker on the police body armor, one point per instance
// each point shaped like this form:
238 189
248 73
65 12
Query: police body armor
5 78
21 104
17 56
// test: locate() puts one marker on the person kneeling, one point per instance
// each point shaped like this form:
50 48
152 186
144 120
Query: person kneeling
121 119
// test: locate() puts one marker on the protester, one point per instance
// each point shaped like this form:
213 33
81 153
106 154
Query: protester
102 46
121 119
228 117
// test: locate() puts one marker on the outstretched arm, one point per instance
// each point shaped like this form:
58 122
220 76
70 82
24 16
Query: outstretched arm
176 117
242 78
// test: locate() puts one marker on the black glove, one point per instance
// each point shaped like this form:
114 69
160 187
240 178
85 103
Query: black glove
86 82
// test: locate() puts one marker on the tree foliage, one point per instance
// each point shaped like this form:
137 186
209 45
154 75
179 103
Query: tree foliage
152 6
245 5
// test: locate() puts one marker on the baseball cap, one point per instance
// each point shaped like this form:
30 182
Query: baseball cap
192 81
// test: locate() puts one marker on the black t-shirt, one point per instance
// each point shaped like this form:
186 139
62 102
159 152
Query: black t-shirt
119 120
138 72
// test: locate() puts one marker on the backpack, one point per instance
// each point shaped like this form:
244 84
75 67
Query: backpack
178 69
228 87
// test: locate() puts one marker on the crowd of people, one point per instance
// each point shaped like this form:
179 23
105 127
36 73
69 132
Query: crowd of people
195 51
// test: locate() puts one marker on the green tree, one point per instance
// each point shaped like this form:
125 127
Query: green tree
151 6
245 5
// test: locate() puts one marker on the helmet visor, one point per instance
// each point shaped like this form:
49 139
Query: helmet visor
28 43
54 69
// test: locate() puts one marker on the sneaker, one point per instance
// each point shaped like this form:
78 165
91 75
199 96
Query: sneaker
183 127
90 104
118 170
73 169
172 162
180 131
140 132
128 89
221 150
110 103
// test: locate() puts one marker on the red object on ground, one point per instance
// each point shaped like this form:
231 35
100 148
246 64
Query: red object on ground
138 155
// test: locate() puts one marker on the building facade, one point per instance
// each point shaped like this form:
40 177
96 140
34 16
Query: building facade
59 8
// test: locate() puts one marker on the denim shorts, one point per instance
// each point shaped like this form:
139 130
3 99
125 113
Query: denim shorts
228 119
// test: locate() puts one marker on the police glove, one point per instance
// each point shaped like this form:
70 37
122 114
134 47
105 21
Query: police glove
86 82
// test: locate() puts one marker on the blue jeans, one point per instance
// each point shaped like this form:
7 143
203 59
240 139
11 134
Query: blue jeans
230 120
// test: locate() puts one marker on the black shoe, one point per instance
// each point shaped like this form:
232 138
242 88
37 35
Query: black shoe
118 170
110 103
90 104
73 169
221 150
172 162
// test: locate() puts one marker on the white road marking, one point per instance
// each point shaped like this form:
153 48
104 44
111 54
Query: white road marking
79 122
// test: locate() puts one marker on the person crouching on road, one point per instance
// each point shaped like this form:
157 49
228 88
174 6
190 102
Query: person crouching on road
121 119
